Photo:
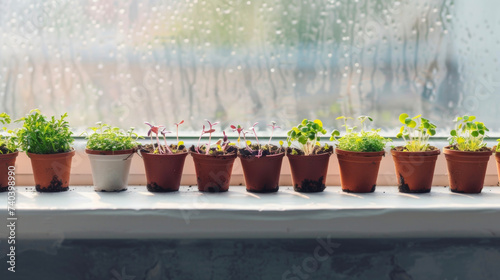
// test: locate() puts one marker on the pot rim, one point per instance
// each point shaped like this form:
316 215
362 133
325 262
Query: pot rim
48 156
163 155
310 156
109 153
267 156
359 154
448 151
416 154
9 155
197 155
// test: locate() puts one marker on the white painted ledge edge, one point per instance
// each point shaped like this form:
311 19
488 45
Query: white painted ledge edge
82 213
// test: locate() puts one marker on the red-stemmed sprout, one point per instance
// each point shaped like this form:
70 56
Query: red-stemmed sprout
238 129
257 139
177 129
199 139
273 126
210 131
164 133
246 142
156 130
225 141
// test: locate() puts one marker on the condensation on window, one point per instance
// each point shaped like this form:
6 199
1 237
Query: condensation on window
246 61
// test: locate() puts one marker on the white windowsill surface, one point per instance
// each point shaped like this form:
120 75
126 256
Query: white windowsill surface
82 213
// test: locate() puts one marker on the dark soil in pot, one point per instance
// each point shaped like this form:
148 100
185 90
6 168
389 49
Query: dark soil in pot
213 171
163 171
466 170
262 172
51 171
309 172
415 170
359 170
6 159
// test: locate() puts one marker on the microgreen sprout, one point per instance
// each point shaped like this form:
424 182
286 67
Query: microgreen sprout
247 142
257 150
363 141
164 133
307 135
177 129
254 133
468 135
416 132
238 129
221 145
210 131
156 130
273 126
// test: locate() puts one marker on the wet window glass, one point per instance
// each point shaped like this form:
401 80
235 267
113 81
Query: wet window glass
242 61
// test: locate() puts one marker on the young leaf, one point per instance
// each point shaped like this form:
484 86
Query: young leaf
403 117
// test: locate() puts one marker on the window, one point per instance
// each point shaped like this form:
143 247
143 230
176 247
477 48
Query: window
125 62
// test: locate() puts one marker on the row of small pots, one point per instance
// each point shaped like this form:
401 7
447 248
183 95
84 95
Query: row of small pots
358 170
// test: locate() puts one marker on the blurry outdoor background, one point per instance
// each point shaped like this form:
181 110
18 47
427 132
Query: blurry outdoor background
243 61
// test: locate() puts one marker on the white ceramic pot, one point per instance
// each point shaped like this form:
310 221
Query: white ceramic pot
110 169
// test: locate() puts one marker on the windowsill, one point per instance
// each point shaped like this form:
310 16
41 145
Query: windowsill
82 213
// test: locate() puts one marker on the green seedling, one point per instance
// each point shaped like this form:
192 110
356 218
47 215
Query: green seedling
362 141
42 135
307 134
416 132
107 138
468 134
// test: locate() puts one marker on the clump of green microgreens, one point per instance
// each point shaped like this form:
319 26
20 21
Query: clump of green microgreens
107 138
468 135
8 139
307 134
160 129
221 146
362 141
416 132
42 135
248 144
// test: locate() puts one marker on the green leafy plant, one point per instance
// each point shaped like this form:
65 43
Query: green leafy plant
42 135
307 134
8 139
362 141
416 132
107 138
468 134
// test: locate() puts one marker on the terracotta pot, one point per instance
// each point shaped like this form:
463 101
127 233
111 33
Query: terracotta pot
262 175
309 172
359 170
213 172
110 169
466 170
415 170
51 171
6 160
163 172
497 157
